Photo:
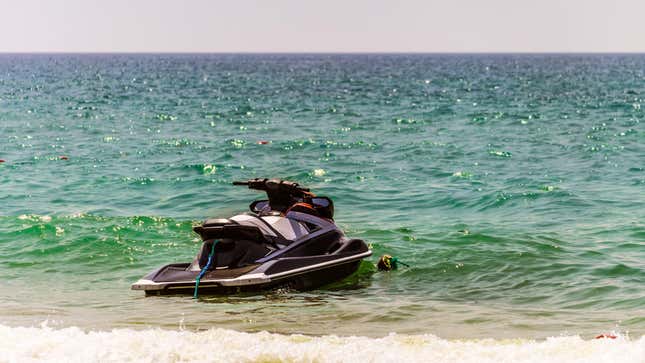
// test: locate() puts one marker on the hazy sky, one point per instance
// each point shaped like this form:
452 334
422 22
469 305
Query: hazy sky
322 26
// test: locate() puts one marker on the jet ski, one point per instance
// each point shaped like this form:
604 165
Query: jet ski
289 240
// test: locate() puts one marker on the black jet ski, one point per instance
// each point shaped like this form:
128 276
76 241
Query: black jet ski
287 241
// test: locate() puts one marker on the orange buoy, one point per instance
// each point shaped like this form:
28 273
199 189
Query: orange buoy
606 336
263 142
63 157
1 160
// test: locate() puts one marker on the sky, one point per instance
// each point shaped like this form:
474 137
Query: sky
322 26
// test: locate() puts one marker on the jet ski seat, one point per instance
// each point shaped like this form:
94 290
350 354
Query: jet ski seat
214 222
237 246
214 229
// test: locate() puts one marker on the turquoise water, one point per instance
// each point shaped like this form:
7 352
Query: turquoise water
513 185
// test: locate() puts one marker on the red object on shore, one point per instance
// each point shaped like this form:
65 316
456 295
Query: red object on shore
607 336
263 142
63 157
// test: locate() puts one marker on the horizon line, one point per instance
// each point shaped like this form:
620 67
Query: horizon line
315 53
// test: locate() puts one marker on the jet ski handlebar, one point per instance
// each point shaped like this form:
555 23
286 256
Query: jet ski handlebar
274 186
285 195
282 194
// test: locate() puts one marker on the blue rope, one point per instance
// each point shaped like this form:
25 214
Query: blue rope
203 271
396 261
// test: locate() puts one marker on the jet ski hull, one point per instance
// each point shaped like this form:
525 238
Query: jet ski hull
291 273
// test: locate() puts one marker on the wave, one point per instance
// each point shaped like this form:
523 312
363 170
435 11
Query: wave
46 344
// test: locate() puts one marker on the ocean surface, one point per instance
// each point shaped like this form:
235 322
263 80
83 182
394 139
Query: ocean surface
513 186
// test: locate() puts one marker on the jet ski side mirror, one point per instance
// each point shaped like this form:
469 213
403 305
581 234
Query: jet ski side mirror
260 206
324 206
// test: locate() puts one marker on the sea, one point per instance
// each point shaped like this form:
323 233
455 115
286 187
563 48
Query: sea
511 185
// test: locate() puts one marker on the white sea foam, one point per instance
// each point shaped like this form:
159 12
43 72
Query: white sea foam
35 218
18 344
